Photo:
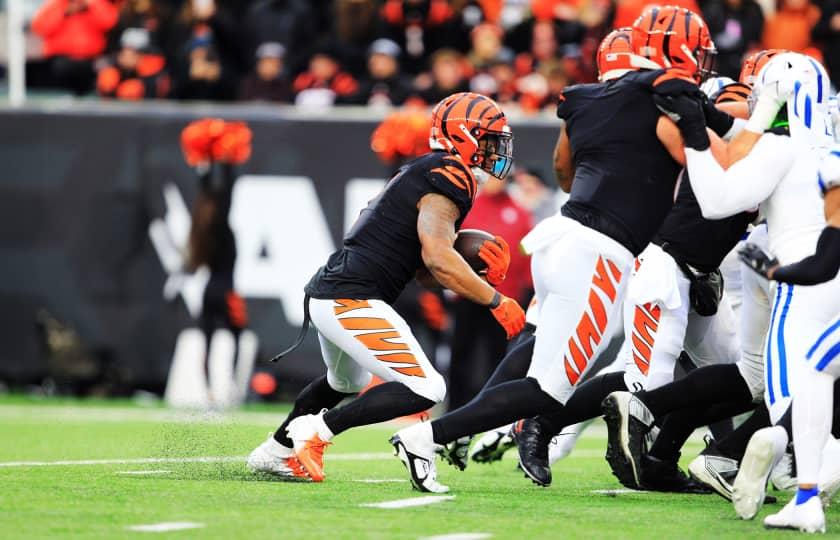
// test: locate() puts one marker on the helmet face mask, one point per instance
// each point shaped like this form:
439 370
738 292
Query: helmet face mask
706 57
495 151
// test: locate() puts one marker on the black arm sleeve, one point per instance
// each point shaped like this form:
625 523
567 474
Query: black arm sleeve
820 267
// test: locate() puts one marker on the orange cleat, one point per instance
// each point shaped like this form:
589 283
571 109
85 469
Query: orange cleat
310 437
311 456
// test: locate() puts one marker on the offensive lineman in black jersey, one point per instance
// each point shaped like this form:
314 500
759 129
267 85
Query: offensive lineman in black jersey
626 158
409 227
691 248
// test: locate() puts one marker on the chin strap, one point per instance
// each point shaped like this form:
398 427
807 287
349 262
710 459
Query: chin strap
301 335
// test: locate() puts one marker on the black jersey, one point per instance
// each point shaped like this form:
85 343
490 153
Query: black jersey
624 177
381 253
699 242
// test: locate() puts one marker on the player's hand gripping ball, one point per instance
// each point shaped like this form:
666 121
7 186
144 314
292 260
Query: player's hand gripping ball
496 253
474 246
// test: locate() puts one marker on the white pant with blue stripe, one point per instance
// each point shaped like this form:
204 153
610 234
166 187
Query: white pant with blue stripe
824 354
800 315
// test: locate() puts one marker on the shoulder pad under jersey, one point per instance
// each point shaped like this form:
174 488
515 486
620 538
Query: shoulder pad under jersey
829 172
671 81
567 97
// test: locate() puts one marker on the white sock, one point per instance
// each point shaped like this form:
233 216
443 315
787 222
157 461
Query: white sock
812 412
324 432
830 460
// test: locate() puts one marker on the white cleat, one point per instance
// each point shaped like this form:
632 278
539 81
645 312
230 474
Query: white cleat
782 476
563 443
273 458
763 452
807 517
417 450
492 446
714 472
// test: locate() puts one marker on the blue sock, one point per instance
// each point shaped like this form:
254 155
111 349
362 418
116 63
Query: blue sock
802 495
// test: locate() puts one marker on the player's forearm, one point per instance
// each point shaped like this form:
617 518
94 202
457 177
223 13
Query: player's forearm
453 273
715 192
820 267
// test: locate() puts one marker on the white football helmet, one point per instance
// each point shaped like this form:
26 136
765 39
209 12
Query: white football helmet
803 83
713 85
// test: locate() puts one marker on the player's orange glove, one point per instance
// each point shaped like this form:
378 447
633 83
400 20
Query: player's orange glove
508 313
496 253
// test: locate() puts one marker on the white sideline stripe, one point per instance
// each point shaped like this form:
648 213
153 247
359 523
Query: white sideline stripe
143 473
408 503
381 480
614 492
166 526
458 536
362 456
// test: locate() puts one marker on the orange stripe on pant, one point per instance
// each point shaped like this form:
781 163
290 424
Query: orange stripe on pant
645 325
343 305
365 323
589 333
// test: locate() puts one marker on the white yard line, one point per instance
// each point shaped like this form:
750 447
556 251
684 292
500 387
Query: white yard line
143 473
362 456
614 492
458 536
408 503
381 480
166 526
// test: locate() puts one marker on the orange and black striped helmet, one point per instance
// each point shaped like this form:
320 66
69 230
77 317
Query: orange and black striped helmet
675 37
475 128
754 63
615 54
736 92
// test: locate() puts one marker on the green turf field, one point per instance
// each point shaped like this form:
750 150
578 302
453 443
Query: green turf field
192 470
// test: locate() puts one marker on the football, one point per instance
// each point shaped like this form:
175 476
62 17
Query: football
467 243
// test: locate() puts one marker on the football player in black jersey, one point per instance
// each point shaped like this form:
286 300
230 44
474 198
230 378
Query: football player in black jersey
410 227
656 333
625 157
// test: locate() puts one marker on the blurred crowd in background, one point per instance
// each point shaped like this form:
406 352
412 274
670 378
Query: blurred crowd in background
377 52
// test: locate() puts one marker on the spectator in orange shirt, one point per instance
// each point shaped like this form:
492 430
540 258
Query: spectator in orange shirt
74 34
323 82
790 27
627 11
134 72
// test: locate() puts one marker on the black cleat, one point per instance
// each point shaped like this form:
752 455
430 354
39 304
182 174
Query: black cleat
628 423
666 476
533 450
455 453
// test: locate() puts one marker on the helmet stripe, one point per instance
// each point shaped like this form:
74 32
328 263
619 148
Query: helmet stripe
446 114
819 80
484 110
476 100
807 111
